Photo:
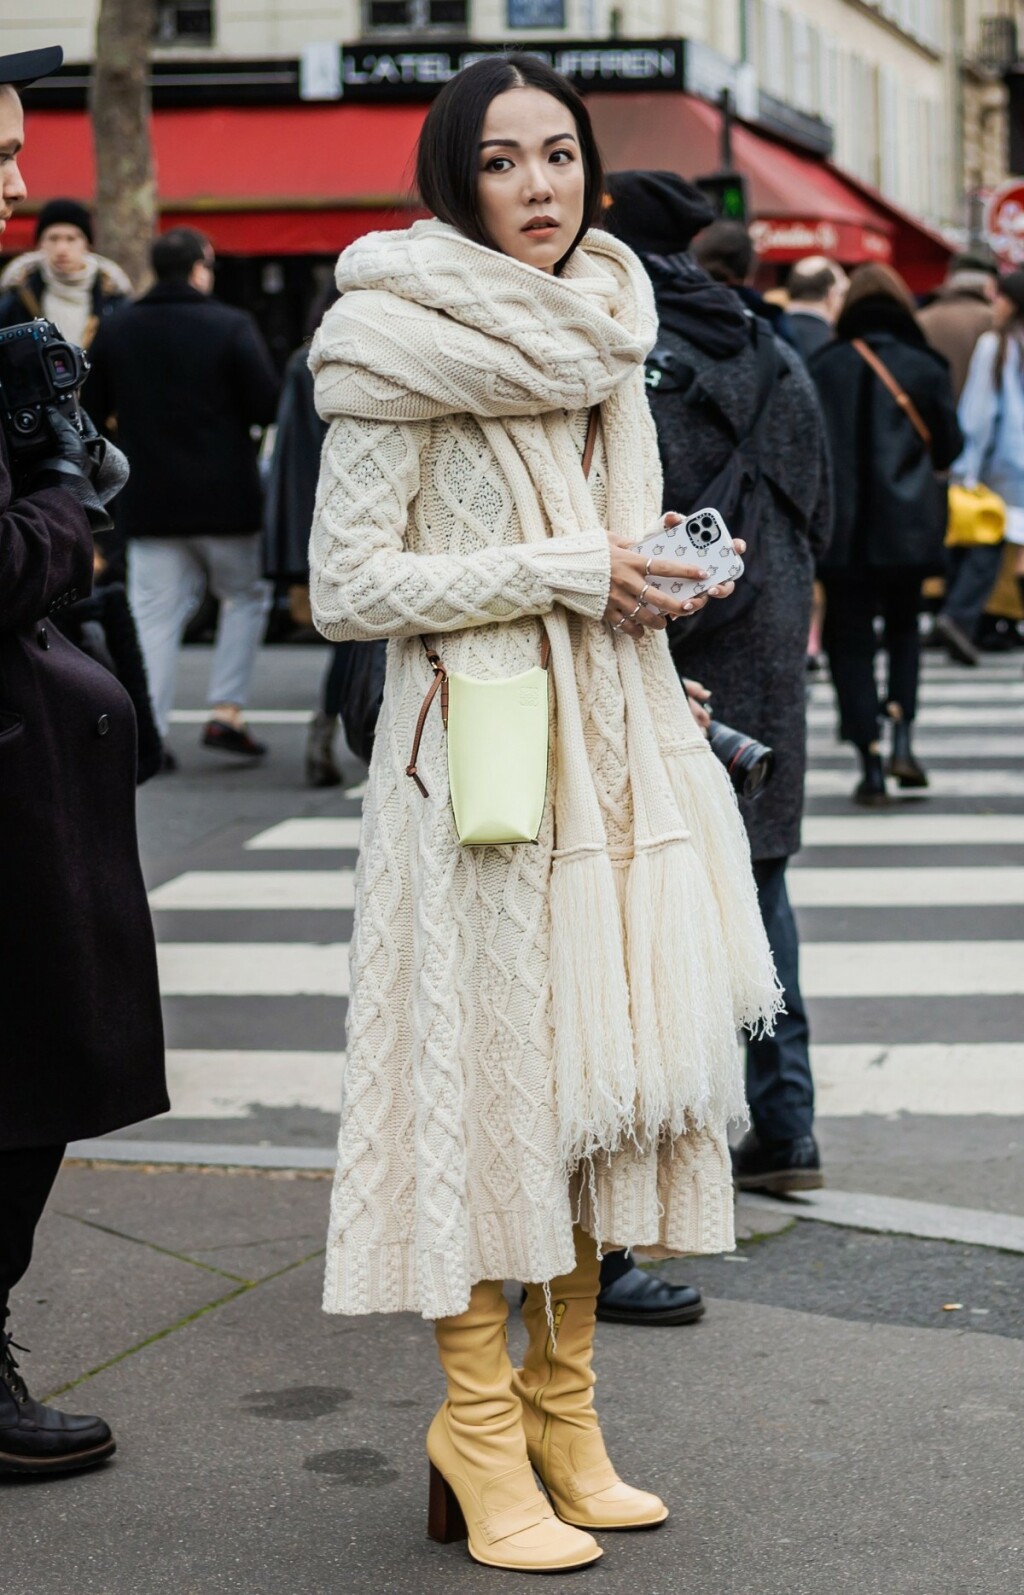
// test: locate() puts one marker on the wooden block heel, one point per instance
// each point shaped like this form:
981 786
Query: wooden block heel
445 1522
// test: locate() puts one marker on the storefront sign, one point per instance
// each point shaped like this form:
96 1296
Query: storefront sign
377 72
1004 222
791 238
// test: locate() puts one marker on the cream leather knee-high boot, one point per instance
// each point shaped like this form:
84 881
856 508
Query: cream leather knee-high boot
556 1387
481 1482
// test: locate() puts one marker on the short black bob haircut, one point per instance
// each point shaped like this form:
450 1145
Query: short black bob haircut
175 253
447 159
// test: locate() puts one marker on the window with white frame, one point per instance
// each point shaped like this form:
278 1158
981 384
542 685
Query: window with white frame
415 16
184 22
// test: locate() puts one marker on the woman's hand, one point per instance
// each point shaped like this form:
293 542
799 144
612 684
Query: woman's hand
633 606
698 698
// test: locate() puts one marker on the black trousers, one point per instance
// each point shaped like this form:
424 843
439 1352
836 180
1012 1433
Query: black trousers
26 1180
852 603
333 680
780 1089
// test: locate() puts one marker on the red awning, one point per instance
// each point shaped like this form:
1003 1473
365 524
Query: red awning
308 179
291 180
799 205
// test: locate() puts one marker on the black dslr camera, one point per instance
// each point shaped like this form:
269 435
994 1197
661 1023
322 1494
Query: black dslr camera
38 368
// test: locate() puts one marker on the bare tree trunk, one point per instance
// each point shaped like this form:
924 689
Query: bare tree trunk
120 105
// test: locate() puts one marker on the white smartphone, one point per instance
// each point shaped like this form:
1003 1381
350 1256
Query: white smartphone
699 539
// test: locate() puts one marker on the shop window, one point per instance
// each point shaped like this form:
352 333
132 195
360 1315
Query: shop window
184 22
416 16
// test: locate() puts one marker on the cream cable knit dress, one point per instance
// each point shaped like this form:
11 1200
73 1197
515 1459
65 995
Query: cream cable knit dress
536 1033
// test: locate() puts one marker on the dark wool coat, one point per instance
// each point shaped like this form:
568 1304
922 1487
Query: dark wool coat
185 378
81 1040
294 472
756 669
890 504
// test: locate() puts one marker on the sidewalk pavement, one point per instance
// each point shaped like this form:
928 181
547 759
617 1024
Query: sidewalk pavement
268 1449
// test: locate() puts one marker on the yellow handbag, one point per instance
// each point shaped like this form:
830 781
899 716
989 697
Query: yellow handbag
497 740
977 517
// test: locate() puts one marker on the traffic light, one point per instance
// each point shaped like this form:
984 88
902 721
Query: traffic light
727 193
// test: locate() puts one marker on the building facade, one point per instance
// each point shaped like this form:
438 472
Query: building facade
884 74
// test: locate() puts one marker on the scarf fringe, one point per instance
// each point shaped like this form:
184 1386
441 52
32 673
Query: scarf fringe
595 1071
708 804
684 1033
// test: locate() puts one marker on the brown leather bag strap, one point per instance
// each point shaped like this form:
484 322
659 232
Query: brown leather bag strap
439 684
440 681
903 399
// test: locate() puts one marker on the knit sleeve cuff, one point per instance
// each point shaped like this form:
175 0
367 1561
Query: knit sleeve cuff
578 570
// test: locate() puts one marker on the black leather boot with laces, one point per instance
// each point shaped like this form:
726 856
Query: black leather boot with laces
37 1439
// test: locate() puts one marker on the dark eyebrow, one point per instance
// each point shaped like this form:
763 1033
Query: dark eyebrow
512 144
14 146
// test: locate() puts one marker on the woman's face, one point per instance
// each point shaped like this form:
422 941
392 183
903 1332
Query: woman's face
530 183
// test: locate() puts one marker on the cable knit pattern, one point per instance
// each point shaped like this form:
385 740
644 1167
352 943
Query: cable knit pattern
534 1031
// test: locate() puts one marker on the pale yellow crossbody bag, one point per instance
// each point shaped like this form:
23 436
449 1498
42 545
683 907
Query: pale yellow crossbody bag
497 740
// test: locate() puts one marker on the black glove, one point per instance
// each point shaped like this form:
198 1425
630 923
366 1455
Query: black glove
70 465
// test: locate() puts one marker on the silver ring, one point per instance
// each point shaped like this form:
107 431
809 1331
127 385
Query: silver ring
635 612
618 624
647 568
645 589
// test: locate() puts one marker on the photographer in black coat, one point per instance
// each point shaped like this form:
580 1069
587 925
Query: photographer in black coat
888 453
708 396
81 1041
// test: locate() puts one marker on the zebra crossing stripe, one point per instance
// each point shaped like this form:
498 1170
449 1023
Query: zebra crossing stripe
310 836
905 888
935 1078
972 783
912 969
257 889
229 1084
892 829
253 969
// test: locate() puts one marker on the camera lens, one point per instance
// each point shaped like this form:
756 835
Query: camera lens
749 763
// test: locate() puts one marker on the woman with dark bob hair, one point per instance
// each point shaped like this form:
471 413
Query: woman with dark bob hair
542 1027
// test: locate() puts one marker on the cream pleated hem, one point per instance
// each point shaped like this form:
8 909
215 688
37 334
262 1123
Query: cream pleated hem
685 1210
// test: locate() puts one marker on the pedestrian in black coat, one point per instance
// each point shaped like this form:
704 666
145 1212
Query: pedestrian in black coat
703 385
81 1040
185 380
890 512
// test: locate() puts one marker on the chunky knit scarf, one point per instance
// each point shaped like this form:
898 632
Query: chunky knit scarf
653 962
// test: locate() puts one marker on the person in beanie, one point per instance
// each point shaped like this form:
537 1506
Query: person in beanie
991 416
62 279
81 1040
703 384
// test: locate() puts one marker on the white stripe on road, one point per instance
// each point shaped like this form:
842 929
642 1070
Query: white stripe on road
889 829
912 969
939 745
225 890
253 969
257 889
308 835
260 717
978 783
1010 716
906 888
228 1085
953 686
929 1077
829 969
